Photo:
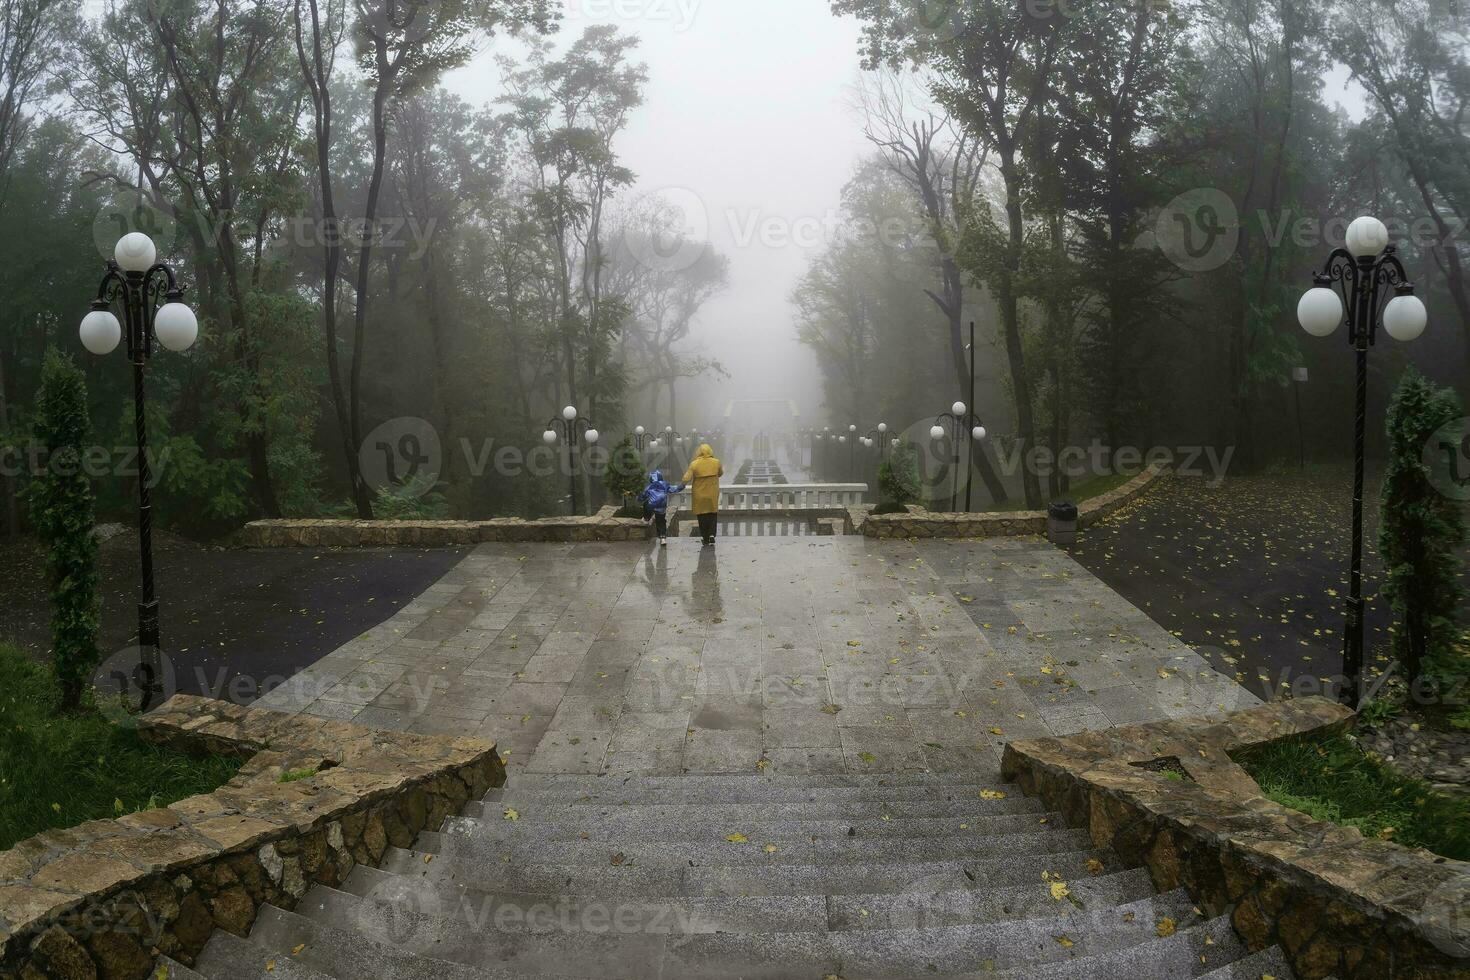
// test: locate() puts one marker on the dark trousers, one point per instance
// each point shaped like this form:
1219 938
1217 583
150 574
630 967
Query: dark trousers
708 524
661 523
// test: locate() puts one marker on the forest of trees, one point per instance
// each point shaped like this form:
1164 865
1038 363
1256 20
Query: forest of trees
1129 198
257 141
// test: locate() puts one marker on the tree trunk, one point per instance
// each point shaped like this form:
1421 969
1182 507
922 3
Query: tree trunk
318 77
1010 315
365 266
7 485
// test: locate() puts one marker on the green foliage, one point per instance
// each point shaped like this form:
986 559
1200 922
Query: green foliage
624 477
61 507
417 500
1421 533
898 479
1382 708
59 770
1334 780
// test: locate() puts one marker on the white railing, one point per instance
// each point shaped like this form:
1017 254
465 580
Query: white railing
784 496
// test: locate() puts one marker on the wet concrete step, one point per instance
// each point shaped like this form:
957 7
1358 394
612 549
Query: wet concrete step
555 822
600 951
563 809
472 840
696 781
491 873
755 792
299 942
1194 952
680 915
1267 963
228 957
912 952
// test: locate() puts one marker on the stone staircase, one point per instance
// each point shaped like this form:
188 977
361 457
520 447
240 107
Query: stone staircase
743 876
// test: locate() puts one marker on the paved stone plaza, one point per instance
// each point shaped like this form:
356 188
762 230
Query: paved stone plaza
783 654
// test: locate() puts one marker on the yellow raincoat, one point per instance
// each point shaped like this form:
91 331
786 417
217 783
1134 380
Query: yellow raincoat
703 478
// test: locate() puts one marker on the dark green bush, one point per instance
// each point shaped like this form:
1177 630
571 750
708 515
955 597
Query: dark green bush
624 478
898 479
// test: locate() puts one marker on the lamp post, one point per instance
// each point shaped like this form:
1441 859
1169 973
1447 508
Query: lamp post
878 437
567 426
952 424
1362 273
640 439
152 304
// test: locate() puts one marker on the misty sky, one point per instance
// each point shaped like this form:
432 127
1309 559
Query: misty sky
746 113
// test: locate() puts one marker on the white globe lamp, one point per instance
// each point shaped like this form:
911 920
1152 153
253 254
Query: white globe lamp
175 326
1366 237
101 333
1405 317
1320 311
135 252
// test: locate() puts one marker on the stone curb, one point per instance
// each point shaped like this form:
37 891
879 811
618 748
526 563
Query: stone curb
921 523
1339 905
107 897
440 534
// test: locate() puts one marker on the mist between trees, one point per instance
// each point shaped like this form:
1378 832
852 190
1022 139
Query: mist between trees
1127 197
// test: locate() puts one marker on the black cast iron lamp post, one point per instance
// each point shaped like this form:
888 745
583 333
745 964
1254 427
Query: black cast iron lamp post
153 309
1362 273
952 424
570 422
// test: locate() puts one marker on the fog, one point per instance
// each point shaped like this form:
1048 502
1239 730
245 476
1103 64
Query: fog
747 114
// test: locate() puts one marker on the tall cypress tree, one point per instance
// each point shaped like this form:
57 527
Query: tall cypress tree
61 508
1422 528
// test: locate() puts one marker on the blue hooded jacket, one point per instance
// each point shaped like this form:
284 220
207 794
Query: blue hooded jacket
656 494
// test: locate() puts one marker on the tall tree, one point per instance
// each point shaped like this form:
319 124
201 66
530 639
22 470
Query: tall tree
942 164
34 36
567 113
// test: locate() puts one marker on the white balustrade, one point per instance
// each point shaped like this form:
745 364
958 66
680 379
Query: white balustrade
784 496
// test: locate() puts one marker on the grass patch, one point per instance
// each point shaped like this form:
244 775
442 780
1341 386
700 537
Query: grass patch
1334 780
59 771
296 775
1093 486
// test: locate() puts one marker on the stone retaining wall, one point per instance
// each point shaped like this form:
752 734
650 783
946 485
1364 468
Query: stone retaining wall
440 534
921 523
314 798
1338 904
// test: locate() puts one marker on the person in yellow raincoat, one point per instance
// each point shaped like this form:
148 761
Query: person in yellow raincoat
703 478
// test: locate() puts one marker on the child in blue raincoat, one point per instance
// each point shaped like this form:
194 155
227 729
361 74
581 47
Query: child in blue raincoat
655 499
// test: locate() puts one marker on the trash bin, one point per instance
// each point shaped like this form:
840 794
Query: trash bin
1061 523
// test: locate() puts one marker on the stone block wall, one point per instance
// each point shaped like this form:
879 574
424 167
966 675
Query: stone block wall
315 798
1338 904
921 523
440 534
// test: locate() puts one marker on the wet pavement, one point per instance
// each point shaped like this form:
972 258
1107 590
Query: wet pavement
791 654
